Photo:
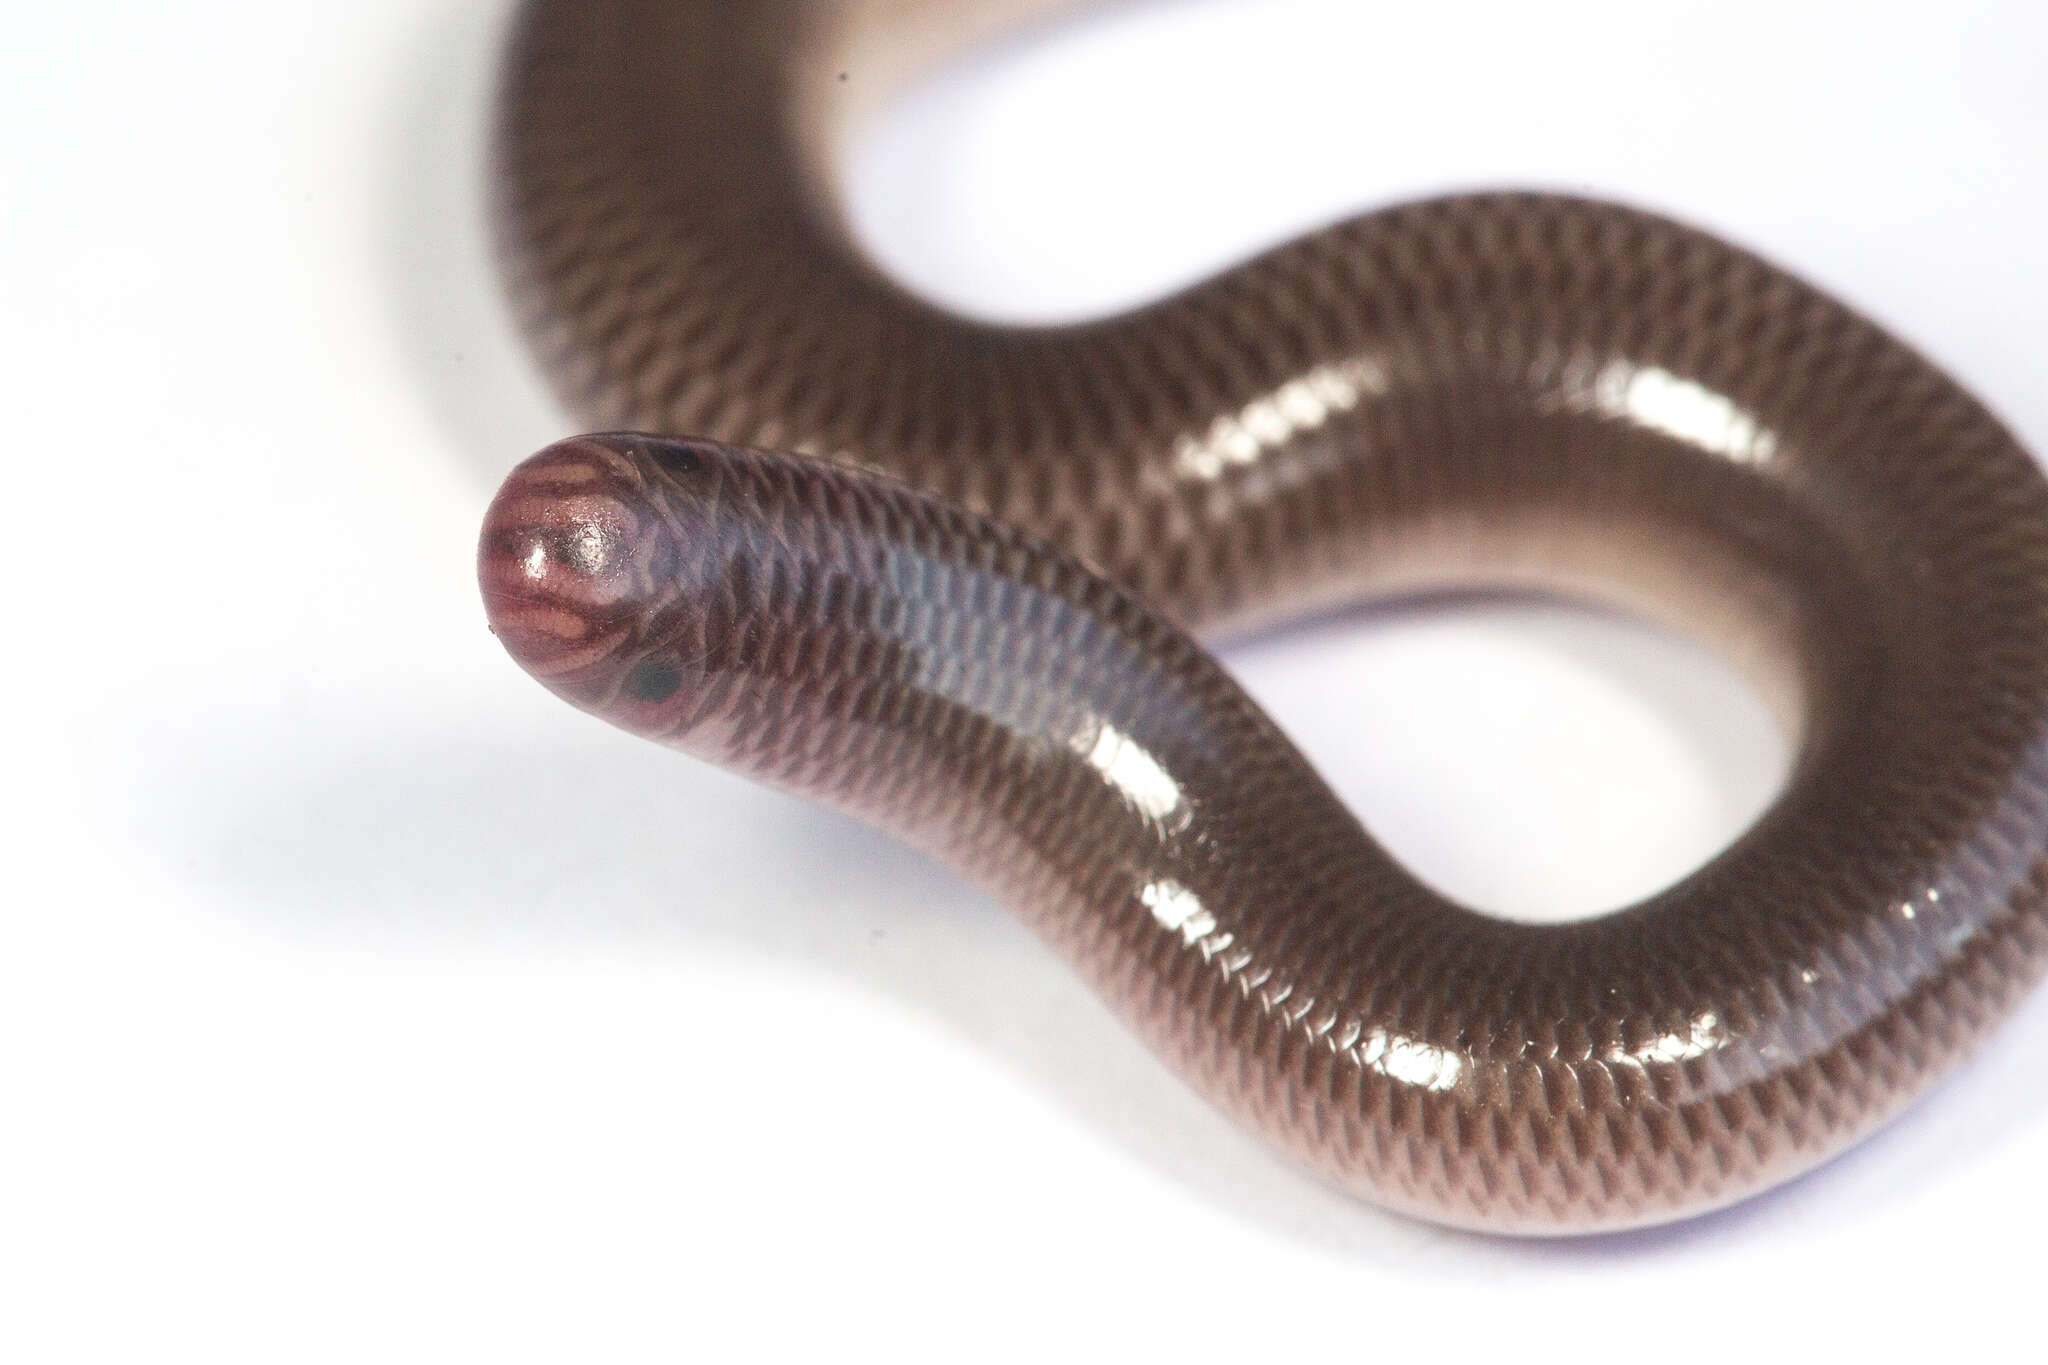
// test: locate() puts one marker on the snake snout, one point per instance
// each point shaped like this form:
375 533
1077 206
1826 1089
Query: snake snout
559 560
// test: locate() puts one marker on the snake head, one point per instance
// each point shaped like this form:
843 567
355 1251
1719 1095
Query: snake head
600 563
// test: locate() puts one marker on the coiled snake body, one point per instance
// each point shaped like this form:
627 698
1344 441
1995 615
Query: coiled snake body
961 611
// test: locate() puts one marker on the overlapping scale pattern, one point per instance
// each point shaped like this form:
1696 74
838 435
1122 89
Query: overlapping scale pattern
958 610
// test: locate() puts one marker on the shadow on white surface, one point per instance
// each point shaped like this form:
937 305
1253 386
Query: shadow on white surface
1535 758
473 845
450 315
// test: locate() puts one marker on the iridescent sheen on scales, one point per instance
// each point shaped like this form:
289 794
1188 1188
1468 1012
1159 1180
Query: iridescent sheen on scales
964 608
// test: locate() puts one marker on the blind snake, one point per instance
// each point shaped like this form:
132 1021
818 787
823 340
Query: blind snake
963 608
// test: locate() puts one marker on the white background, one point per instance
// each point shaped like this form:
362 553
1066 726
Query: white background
360 1002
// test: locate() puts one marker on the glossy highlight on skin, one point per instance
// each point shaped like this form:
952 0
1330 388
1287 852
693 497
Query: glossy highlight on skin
963 606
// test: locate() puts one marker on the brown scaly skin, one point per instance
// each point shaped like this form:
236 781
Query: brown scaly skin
961 625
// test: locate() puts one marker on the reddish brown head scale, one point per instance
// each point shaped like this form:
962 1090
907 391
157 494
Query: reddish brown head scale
578 556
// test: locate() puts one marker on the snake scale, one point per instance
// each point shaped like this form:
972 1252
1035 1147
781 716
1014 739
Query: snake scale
962 604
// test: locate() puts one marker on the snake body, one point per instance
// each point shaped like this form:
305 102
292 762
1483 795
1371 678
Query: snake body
964 606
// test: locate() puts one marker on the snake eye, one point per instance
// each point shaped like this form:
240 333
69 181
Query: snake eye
674 457
653 680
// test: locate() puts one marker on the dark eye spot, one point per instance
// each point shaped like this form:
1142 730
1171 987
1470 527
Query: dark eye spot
653 680
674 457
